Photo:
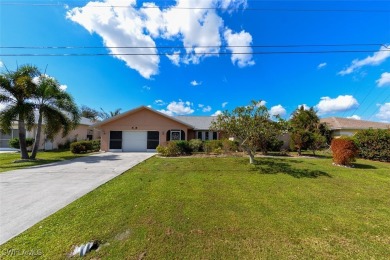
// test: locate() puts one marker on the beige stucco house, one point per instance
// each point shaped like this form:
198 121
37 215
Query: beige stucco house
84 131
348 127
143 129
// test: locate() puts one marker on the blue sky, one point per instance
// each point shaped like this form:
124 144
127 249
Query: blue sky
211 74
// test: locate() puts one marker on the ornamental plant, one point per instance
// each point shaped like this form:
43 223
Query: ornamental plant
344 151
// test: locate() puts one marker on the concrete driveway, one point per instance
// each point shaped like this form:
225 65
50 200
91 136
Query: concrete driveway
29 195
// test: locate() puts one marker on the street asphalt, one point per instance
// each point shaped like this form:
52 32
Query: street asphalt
27 196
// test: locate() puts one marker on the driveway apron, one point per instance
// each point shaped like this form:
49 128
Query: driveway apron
29 195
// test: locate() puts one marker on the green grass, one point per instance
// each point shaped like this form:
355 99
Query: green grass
223 208
7 160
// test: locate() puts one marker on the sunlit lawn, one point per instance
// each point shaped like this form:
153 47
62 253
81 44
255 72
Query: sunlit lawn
7 160
223 208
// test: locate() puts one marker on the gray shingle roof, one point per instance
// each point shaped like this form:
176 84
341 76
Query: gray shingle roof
346 123
198 122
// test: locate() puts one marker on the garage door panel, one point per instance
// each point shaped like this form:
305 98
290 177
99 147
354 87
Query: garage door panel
134 141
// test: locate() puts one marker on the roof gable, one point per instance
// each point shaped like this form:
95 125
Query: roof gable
138 109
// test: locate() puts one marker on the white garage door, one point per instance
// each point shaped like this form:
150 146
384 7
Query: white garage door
134 141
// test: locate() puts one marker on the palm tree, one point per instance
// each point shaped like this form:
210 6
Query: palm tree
16 90
56 107
104 115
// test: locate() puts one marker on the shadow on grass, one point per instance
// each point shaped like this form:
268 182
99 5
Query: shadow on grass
278 166
363 166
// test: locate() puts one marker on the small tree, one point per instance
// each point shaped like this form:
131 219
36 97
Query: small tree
250 126
306 130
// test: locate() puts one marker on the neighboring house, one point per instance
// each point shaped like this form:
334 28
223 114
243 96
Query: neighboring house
84 131
143 129
348 127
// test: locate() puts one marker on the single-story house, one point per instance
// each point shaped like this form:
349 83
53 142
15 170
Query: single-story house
143 129
84 131
348 127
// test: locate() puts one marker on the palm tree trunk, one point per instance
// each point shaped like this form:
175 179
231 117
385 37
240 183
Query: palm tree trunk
22 138
37 137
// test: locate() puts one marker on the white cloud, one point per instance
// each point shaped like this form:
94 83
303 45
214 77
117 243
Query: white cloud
120 26
384 112
178 108
356 117
239 39
218 112
63 87
376 59
200 105
332 105
224 104
159 102
322 65
206 109
174 58
125 24
261 103
384 80
195 83
1 64
146 87
277 110
305 107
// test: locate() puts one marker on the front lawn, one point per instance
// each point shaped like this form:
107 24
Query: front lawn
7 160
223 208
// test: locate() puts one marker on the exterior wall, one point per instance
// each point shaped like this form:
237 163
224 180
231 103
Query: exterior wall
142 120
80 133
343 132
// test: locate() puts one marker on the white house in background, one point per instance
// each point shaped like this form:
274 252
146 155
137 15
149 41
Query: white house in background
83 131
340 126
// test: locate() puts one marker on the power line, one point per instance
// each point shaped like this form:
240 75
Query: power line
200 53
205 8
204 46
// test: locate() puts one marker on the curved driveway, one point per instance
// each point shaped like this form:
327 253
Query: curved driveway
29 195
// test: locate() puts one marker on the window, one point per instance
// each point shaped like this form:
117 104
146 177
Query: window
4 138
89 134
206 136
200 135
115 139
153 139
215 136
175 135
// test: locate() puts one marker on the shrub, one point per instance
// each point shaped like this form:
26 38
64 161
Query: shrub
274 145
374 144
212 146
95 145
14 142
184 147
169 150
196 145
65 145
85 146
229 146
344 151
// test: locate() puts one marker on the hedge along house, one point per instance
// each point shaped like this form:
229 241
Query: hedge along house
83 131
143 129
